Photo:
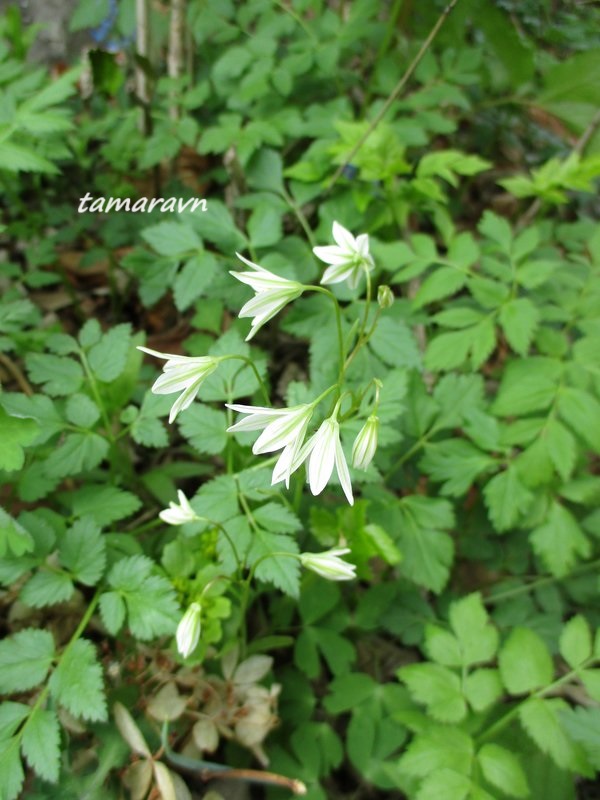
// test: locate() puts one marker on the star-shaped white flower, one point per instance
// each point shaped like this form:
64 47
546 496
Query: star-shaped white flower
325 451
282 429
348 258
179 514
272 293
329 564
183 374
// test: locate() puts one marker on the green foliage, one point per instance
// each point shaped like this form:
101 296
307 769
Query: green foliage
464 661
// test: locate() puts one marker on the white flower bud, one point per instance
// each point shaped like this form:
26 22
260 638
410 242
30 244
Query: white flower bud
188 630
329 565
365 443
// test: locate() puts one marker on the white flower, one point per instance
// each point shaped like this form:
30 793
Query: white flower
272 293
329 564
348 258
365 443
183 374
326 451
188 630
179 514
284 429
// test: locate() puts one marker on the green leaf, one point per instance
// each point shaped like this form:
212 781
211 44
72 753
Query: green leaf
13 536
59 375
89 15
264 225
437 688
428 552
456 462
11 769
477 638
172 239
11 717
444 784
41 744
529 384
583 726
559 541
283 572
15 158
445 281
525 663
506 499
82 411
561 447
541 720
482 688
16 432
347 691
577 408
108 357
205 428
82 551
395 344
277 518
78 453
25 659
438 747
519 319
192 280
503 770
575 642
113 611
47 588
76 683
265 171
104 504
496 228
152 609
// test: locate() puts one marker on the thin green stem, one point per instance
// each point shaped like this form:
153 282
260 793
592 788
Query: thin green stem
300 217
394 94
545 581
97 397
252 365
338 319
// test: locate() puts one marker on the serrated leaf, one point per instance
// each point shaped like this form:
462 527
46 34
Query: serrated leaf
152 609
577 408
172 239
561 447
59 375
205 428
108 357
540 718
529 384
575 642
560 540
438 747
457 463
282 571
506 499
41 744
11 769
445 783
193 278
82 551
437 688
277 518
478 639
78 453
503 770
104 504
519 319
482 688
16 432
82 411
445 281
525 663
77 684
427 551
47 588
25 659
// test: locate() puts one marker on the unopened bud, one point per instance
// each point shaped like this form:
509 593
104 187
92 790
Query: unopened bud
385 296
188 630
365 443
